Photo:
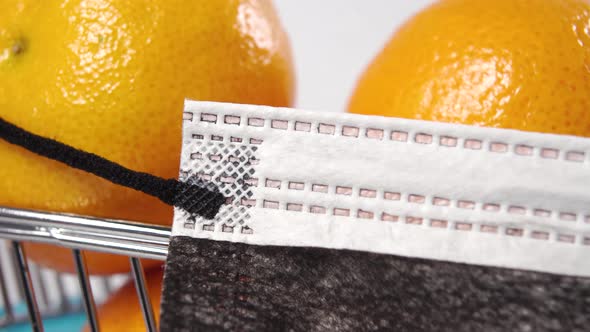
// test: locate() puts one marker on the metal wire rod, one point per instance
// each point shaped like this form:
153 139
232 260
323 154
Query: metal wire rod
64 303
86 289
13 266
27 284
7 305
88 233
142 294
41 291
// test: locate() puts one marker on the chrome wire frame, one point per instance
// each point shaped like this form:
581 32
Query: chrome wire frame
79 233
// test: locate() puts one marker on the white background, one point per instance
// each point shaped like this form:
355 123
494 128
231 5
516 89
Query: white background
334 40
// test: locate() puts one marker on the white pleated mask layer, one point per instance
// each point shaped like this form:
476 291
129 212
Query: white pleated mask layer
412 188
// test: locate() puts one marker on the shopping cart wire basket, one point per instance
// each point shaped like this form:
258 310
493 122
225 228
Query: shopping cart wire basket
79 233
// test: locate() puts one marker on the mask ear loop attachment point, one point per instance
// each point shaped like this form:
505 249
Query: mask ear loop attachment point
204 201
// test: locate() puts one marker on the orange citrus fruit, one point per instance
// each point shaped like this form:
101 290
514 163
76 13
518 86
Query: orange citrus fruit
122 311
110 77
498 63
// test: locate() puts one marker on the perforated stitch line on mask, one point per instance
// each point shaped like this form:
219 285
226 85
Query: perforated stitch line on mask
351 211
360 132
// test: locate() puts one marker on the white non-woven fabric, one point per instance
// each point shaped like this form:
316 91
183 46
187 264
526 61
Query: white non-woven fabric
394 186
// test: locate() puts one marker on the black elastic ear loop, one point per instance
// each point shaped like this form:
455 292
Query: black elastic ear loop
195 199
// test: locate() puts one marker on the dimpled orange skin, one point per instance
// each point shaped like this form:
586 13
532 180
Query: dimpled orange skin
110 77
497 63
121 312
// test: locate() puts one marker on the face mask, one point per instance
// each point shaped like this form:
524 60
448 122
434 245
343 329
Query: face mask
348 222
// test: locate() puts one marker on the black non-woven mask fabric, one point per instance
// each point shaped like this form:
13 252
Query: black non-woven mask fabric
223 286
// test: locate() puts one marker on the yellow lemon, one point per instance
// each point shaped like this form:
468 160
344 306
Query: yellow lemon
497 63
110 77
